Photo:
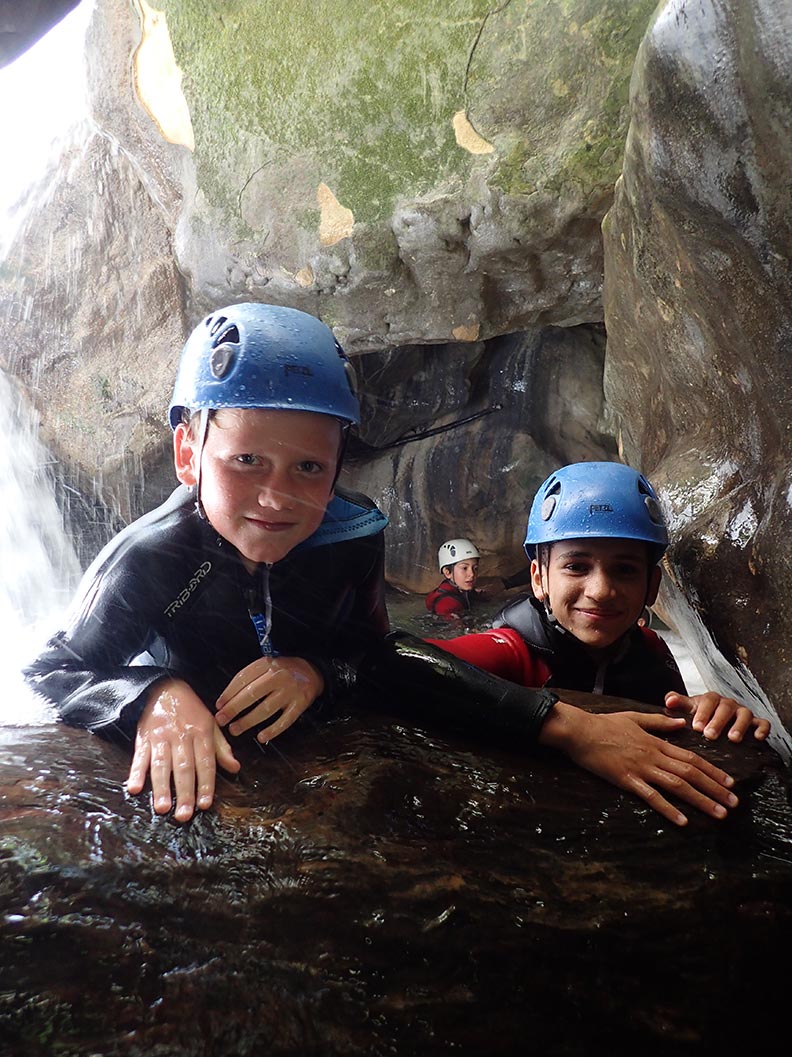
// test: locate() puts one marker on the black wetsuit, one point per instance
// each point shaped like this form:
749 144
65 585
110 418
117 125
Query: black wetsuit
639 666
170 598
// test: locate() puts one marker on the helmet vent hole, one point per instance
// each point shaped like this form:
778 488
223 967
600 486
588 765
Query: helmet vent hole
221 360
653 510
229 336
214 323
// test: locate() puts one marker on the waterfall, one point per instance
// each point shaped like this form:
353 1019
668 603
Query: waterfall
42 95
38 565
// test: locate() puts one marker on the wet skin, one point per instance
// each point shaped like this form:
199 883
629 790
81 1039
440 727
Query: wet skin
464 574
266 476
597 589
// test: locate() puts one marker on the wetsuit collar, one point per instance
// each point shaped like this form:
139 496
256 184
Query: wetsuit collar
345 519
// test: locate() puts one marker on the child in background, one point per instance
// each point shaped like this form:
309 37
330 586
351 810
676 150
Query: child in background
458 561
258 589
595 537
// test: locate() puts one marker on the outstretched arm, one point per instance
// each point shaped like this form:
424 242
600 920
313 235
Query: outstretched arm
712 714
621 749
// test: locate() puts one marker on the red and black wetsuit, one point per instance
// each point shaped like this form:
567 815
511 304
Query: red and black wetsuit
527 649
448 600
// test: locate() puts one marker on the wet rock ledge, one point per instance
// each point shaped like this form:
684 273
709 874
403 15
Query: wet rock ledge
367 887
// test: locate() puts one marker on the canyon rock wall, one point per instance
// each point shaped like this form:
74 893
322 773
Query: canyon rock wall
437 183
698 371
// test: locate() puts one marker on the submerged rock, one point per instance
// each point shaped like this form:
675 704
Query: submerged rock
367 887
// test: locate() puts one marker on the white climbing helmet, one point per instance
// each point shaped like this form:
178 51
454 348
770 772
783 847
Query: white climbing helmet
453 551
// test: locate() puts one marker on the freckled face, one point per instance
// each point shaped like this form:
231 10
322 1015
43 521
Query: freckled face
266 476
597 589
465 573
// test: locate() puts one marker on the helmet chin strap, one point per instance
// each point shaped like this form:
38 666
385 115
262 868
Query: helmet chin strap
203 428
549 614
345 428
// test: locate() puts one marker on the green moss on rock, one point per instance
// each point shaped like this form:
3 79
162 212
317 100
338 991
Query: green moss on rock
363 97
366 94
552 77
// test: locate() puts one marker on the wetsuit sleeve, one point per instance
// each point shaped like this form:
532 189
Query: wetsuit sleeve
409 675
108 703
447 606
89 671
502 652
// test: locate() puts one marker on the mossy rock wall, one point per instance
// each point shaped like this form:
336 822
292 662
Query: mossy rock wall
411 172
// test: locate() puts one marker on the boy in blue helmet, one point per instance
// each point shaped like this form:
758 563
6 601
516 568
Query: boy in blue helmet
254 584
258 588
595 537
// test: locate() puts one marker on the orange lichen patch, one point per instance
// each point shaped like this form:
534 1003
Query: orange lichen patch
158 80
468 333
336 221
305 276
467 137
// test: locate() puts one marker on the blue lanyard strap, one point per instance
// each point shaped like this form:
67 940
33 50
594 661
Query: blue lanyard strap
262 622
263 628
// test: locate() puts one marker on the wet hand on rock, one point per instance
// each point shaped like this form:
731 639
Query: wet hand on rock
622 748
180 745
712 714
282 687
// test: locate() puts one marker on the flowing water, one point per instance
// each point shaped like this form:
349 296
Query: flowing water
38 565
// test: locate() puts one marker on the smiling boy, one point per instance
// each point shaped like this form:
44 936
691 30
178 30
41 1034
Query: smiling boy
595 536
246 595
262 490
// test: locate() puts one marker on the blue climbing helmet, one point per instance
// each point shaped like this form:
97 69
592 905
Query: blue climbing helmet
596 500
254 355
